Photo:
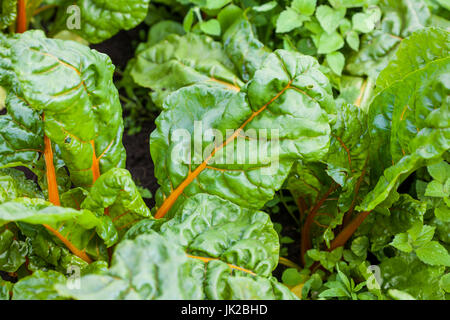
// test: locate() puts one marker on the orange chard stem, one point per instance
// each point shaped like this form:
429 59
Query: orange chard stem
54 197
21 16
349 230
69 245
53 194
95 163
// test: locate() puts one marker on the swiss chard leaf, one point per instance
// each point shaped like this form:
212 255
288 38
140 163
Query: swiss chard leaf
97 20
287 102
81 115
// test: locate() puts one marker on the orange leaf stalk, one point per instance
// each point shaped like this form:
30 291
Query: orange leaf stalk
95 164
54 198
348 231
21 16
53 194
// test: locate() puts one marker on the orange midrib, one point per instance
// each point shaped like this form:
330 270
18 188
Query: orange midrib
53 196
226 84
95 168
169 201
21 16
206 260
361 94
53 193
69 245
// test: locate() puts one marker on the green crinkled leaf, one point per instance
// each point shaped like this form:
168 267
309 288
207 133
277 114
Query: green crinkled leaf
349 146
12 251
99 20
211 249
179 61
285 108
81 111
163 29
116 191
38 286
13 184
407 119
433 253
208 226
21 133
244 49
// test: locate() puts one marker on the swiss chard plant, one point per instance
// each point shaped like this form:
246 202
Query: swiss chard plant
343 106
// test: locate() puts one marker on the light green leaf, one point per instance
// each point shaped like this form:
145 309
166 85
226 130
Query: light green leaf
352 39
292 277
348 3
330 42
336 61
289 20
329 18
78 227
440 171
401 242
306 7
265 7
445 282
365 22
211 27
400 19
188 20
435 189
400 295
442 213
434 253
